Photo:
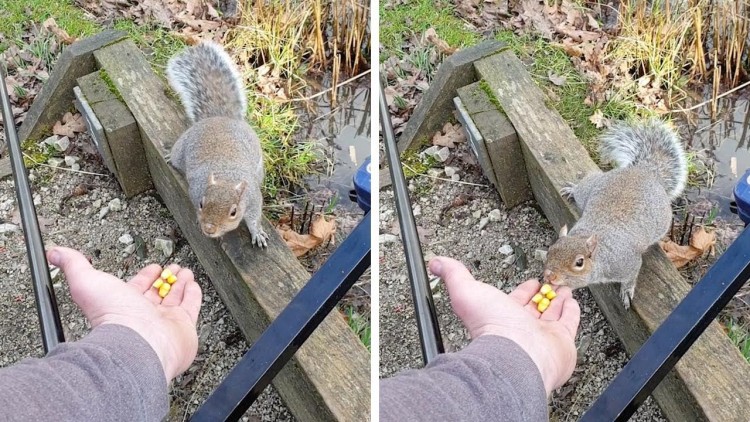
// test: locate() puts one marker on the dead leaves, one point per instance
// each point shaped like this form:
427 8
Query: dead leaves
701 242
432 37
449 136
69 125
321 231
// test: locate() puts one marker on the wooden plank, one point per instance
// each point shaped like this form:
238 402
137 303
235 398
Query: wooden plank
437 102
329 377
705 383
56 96
501 144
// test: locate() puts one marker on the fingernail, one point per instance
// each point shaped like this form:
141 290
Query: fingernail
436 265
53 256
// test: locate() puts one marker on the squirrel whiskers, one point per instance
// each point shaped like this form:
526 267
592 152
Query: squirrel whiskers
623 211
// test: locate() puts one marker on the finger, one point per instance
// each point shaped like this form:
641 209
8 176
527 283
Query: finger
70 261
554 311
525 291
461 285
145 278
191 300
175 296
532 310
571 316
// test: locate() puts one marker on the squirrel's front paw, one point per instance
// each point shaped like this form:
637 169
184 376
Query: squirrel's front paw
567 191
626 295
259 238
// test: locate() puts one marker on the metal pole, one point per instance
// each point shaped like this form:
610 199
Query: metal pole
427 322
675 335
46 305
290 329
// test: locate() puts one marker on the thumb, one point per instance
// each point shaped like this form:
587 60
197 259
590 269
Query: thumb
75 266
463 289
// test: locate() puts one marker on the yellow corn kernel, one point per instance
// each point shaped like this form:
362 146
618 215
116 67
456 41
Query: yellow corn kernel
166 273
546 288
537 298
543 305
551 295
158 283
171 279
164 289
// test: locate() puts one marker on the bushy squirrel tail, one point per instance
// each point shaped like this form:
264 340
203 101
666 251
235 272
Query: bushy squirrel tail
650 143
207 82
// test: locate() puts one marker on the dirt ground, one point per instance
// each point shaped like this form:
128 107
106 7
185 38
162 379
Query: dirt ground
456 233
75 222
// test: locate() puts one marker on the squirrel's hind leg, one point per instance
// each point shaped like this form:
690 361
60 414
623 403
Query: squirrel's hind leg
627 287
567 191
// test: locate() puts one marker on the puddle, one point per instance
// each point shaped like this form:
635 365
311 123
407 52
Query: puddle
724 140
343 133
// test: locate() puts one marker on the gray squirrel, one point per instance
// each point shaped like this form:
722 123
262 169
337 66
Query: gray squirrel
624 210
220 154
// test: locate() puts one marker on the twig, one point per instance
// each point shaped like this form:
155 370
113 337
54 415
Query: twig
444 179
62 168
683 110
332 88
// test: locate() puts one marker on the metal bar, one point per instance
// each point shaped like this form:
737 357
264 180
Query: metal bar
427 322
675 335
290 329
44 294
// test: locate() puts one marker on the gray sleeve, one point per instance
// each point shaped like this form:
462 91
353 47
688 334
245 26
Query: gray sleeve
112 374
490 379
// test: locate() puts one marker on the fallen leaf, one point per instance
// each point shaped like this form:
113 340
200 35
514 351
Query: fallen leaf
70 125
449 136
322 228
558 80
597 119
432 37
679 255
51 26
702 240
299 244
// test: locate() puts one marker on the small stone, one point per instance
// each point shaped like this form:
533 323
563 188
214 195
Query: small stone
62 144
115 205
431 151
483 223
37 199
166 246
70 160
540 255
103 212
506 249
55 162
387 238
443 154
477 214
509 259
75 167
450 171
417 210
97 203
8 227
126 239
129 249
456 177
495 215
50 140
434 172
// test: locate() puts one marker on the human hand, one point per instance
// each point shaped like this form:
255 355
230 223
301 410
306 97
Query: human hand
548 338
168 325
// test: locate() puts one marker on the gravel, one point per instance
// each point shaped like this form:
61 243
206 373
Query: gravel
501 247
119 235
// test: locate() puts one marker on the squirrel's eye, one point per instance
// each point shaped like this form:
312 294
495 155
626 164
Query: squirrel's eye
579 262
233 211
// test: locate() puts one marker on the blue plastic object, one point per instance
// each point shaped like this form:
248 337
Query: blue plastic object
362 186
742 197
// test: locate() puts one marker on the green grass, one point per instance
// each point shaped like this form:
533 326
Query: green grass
17 16
403 21
740 336
360 324
156 42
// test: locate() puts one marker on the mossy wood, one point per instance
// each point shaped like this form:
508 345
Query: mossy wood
329 377
709 382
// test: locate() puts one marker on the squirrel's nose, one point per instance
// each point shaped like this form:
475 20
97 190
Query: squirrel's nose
209 228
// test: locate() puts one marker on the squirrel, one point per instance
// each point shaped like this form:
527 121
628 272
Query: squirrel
220 154
624 210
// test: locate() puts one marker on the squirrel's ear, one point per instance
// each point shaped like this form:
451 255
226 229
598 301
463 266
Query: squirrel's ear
591 243
240 187
211 179
564 230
